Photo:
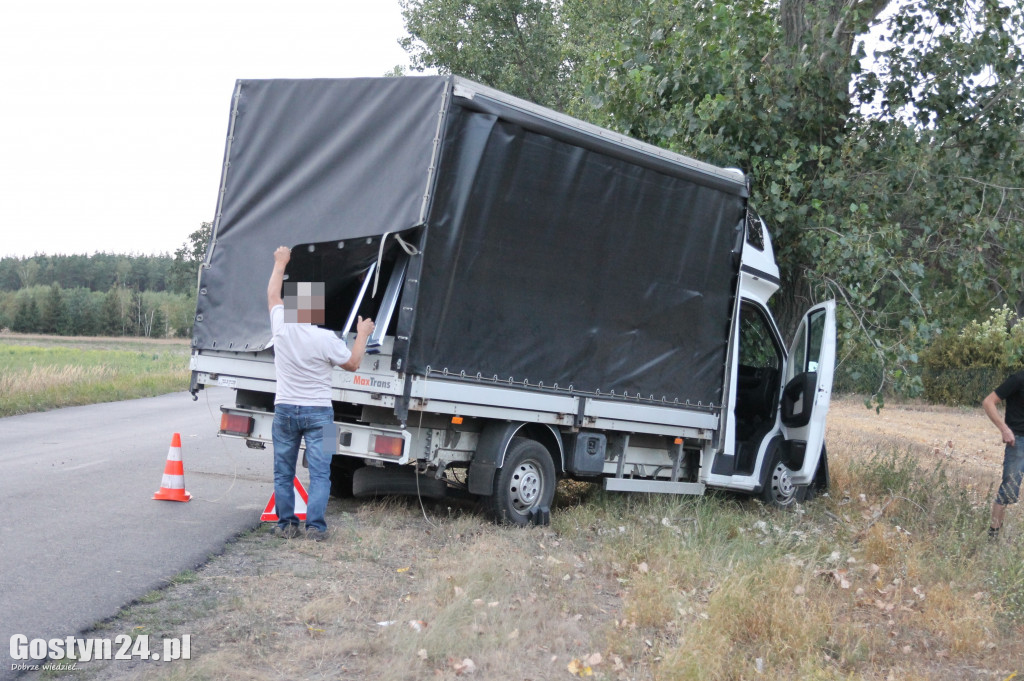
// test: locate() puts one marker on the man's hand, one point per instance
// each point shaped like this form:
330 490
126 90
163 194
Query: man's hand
1008 436
282 255
364 327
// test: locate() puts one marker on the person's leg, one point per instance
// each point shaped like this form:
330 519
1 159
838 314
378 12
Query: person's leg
317 431
286 435
998 512
1009 488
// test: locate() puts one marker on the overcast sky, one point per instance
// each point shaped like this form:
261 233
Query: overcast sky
113 113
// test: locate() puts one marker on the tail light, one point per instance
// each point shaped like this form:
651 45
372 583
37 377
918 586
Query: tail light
389 446
232 424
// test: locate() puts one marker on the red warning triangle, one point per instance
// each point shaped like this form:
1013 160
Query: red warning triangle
301 499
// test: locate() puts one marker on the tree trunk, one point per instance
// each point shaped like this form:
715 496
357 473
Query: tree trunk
814 22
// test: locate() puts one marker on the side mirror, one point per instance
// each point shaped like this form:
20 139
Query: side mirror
798 398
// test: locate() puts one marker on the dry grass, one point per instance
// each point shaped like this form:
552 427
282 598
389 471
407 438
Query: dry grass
45 378
887 578
39 373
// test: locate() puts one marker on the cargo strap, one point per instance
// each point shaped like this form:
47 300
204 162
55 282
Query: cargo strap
406 246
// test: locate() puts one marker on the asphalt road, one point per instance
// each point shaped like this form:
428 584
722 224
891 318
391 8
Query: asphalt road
83 537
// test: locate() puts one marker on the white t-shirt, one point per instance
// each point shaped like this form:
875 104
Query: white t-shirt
304 357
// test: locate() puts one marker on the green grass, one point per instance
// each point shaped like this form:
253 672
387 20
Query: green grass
52 372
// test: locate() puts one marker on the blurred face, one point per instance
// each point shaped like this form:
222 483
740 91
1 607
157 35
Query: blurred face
304 302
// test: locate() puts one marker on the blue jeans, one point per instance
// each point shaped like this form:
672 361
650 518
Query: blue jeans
1013 472
291 424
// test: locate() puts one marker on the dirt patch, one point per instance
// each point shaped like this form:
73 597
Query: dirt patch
961 439
88 342
442 588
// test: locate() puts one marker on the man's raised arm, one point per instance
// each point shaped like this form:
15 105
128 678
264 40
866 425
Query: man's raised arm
281 257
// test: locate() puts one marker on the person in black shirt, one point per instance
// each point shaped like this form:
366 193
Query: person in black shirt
1011 428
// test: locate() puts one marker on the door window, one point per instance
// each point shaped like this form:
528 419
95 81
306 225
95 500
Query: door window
817 335
799 353
758 348
757 380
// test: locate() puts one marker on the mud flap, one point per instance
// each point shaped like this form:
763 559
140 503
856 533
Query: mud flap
490 454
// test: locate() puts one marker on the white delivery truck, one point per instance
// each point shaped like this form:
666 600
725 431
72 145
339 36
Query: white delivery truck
552 299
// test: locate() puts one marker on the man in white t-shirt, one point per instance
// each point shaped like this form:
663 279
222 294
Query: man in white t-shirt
304 357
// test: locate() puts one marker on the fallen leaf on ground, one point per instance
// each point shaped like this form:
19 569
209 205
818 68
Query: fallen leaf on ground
579 668
838 577
462 667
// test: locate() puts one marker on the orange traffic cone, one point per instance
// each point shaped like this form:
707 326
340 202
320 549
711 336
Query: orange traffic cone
172 486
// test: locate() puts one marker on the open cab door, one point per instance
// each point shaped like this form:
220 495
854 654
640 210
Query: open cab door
807 391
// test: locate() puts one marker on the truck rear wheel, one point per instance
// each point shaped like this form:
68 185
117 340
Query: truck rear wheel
525 483
342 470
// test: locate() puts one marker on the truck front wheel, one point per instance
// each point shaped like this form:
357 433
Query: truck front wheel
524 483
779 490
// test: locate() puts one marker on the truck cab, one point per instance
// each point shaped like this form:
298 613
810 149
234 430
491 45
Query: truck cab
778 397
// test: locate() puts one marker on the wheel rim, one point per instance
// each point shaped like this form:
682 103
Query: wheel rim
783 489
525 486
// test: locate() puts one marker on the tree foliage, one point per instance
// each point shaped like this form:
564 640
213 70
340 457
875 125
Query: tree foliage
96 272
184 271
103 293
891 182
80 312
962 368
533 49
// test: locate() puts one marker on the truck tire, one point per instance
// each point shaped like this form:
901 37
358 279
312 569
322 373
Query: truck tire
524 483
371 481
779 490
342 470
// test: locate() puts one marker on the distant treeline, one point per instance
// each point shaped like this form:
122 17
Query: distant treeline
119 311
99 272
103 294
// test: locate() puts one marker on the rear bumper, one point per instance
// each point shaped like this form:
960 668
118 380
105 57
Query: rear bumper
356 440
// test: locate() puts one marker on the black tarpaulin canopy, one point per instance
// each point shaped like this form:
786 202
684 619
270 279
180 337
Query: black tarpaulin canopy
310 161
548 251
